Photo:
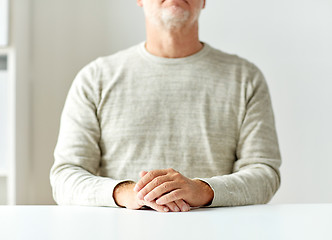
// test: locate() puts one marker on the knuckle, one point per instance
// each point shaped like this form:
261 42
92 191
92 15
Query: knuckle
156 182
177 175
166 186
169 170
151 174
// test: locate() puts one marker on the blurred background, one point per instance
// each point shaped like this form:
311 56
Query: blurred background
49 41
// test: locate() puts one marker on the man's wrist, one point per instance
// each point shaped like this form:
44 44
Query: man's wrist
208 193
120 192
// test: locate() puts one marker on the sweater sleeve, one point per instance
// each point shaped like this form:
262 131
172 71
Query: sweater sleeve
74 174
255 177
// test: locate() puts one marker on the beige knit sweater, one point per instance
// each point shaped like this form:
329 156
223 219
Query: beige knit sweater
208 115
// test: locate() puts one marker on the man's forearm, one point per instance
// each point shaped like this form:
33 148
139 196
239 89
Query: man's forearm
255 184
73 185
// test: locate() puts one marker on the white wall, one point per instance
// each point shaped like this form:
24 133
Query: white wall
66 35
20 43
288 39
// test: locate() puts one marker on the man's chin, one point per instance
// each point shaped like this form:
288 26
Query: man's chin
174 17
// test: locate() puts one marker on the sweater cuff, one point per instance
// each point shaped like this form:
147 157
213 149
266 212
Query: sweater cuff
218 188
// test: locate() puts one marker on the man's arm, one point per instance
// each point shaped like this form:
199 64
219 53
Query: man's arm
77 155
255 177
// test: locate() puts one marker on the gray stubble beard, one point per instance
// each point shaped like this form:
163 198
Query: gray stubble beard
169 21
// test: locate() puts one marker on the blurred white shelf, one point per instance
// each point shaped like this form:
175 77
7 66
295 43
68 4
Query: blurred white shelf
3 173
4 17
4 117
7 119
4 50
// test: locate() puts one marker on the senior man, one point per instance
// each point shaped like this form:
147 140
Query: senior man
171 123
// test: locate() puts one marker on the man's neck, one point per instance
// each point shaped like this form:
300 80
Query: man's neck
173 43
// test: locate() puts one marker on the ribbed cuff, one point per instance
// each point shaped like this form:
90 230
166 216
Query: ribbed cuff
218 188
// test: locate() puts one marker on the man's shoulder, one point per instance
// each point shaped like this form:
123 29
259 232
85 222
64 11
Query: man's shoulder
111 62
221 56
108 64
228 60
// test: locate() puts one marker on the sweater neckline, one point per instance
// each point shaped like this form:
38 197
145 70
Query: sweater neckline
161 60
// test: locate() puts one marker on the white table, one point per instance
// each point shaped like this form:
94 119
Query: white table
266 222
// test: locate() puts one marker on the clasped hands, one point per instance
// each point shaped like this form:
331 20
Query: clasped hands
163 190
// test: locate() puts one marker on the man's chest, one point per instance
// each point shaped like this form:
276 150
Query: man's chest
186 102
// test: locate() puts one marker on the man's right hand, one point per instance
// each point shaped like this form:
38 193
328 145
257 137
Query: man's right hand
125 196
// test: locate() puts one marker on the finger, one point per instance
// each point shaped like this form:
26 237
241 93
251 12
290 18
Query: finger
182 205
148 178
142 174
170 197
157 207
157 188
151 186
173 207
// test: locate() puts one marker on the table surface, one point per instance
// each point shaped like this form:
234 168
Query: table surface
289 221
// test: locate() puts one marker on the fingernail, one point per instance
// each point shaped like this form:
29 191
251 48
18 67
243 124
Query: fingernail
166 209
147 198
185 208
176 209
136 188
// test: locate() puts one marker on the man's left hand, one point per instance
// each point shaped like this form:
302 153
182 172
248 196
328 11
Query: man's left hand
168 185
